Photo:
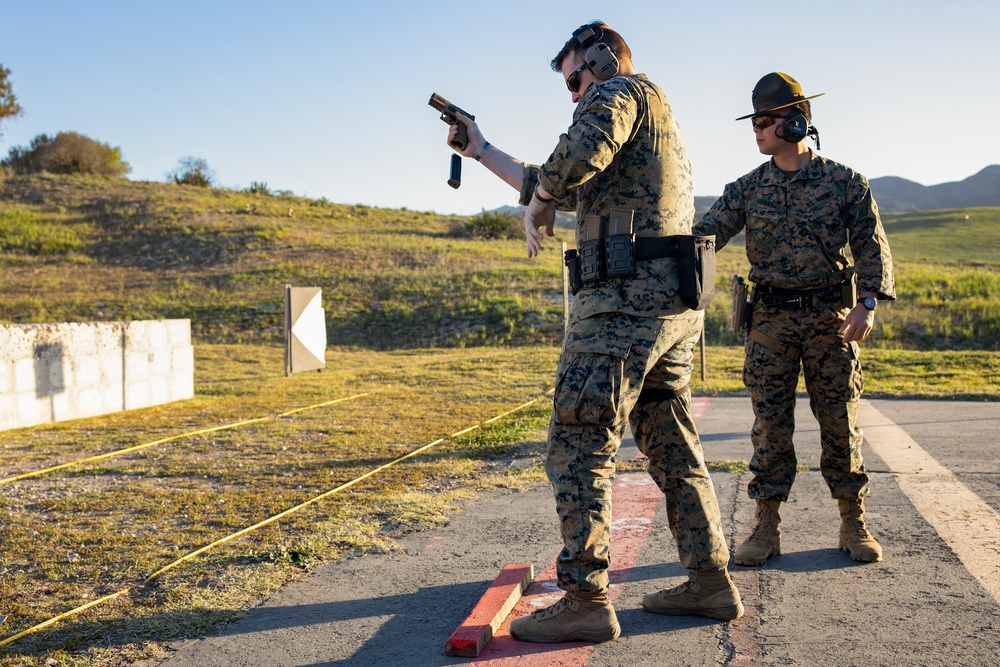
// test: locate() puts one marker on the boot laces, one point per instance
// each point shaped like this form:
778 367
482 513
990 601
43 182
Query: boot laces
861 530
763 525
677 590
856 519
551 610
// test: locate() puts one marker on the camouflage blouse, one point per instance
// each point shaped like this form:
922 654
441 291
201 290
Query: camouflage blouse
798 229
623 150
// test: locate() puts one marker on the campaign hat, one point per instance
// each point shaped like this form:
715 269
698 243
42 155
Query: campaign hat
774 91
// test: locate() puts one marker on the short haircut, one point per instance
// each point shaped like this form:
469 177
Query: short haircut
805 109
611 38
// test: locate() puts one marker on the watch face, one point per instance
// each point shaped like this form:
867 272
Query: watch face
869 302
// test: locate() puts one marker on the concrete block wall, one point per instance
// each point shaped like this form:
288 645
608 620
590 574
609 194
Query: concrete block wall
54 372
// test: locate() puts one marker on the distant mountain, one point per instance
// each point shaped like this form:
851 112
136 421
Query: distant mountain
900 195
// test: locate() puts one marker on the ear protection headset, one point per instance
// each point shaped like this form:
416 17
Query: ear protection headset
599 57
795 128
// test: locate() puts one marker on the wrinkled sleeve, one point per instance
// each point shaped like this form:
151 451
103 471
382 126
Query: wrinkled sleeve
725 219
602 124
528 182
869 246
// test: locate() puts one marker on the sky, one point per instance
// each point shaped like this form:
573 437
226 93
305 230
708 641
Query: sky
329 98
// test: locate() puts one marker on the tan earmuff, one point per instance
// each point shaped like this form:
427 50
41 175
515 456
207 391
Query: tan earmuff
599 57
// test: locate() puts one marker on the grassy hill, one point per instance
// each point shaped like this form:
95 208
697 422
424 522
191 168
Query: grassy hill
84 249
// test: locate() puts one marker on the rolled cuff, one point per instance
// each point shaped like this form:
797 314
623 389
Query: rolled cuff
529 180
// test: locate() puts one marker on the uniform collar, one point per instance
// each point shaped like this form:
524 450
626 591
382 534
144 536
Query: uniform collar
813 169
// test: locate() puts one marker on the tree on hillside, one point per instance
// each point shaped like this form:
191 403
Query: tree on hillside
9 108
67 153
192 171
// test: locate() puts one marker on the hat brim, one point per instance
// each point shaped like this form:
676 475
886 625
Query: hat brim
783 105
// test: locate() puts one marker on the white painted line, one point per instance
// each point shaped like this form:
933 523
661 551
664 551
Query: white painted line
970 527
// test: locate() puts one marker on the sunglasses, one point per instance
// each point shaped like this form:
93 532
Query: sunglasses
573 80
765 120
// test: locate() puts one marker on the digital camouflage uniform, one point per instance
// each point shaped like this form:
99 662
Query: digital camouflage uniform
797 233
629 345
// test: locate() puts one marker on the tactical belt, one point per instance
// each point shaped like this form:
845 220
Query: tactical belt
797 299
657 247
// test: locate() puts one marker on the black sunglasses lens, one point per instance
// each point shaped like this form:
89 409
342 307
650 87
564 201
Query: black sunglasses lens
573 80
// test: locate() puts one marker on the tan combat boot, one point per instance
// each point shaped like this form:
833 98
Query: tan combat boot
854 536
765 540
577 617
708 593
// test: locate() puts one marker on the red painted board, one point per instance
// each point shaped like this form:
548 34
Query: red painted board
471 637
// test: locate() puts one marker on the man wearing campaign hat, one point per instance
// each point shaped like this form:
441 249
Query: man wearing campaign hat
809 309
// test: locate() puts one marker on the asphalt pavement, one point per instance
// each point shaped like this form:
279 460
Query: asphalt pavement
934 600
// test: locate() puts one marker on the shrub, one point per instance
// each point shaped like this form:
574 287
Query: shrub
492 225
9 108
67 153
192 171
259 188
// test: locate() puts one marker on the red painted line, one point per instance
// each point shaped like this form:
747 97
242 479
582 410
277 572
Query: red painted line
475 632
635 498
698 406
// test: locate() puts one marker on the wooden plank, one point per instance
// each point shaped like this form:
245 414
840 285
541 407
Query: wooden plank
471 637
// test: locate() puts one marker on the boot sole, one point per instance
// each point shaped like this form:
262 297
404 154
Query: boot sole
595 637
730 613
876 559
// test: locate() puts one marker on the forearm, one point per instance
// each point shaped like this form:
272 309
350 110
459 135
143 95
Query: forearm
509 169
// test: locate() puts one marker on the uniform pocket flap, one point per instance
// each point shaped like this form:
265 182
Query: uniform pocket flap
613 347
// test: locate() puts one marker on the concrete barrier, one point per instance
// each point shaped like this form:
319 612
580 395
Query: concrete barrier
54 372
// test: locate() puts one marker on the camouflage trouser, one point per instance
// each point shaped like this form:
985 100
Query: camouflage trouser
615 367
832 372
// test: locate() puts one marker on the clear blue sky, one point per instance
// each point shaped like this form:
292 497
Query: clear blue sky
329 99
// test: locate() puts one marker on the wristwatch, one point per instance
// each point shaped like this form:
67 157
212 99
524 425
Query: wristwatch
868 302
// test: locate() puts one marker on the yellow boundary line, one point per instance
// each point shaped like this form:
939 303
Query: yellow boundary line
260 524
135 448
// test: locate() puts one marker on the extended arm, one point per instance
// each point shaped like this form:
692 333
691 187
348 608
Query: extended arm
508 168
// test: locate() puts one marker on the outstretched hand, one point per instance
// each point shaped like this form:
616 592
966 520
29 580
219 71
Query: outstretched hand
539 214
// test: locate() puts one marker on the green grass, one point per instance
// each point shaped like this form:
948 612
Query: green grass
947 281
222 259
953 237
888 373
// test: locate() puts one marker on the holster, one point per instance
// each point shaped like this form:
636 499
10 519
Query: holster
849 290
572 260
742 305
696 270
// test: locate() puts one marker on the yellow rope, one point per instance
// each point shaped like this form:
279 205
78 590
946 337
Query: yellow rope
265 522
135 448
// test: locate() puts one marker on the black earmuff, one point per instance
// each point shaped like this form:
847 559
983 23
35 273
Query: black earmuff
599 57
794 129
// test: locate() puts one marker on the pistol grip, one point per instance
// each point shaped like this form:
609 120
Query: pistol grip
462 138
